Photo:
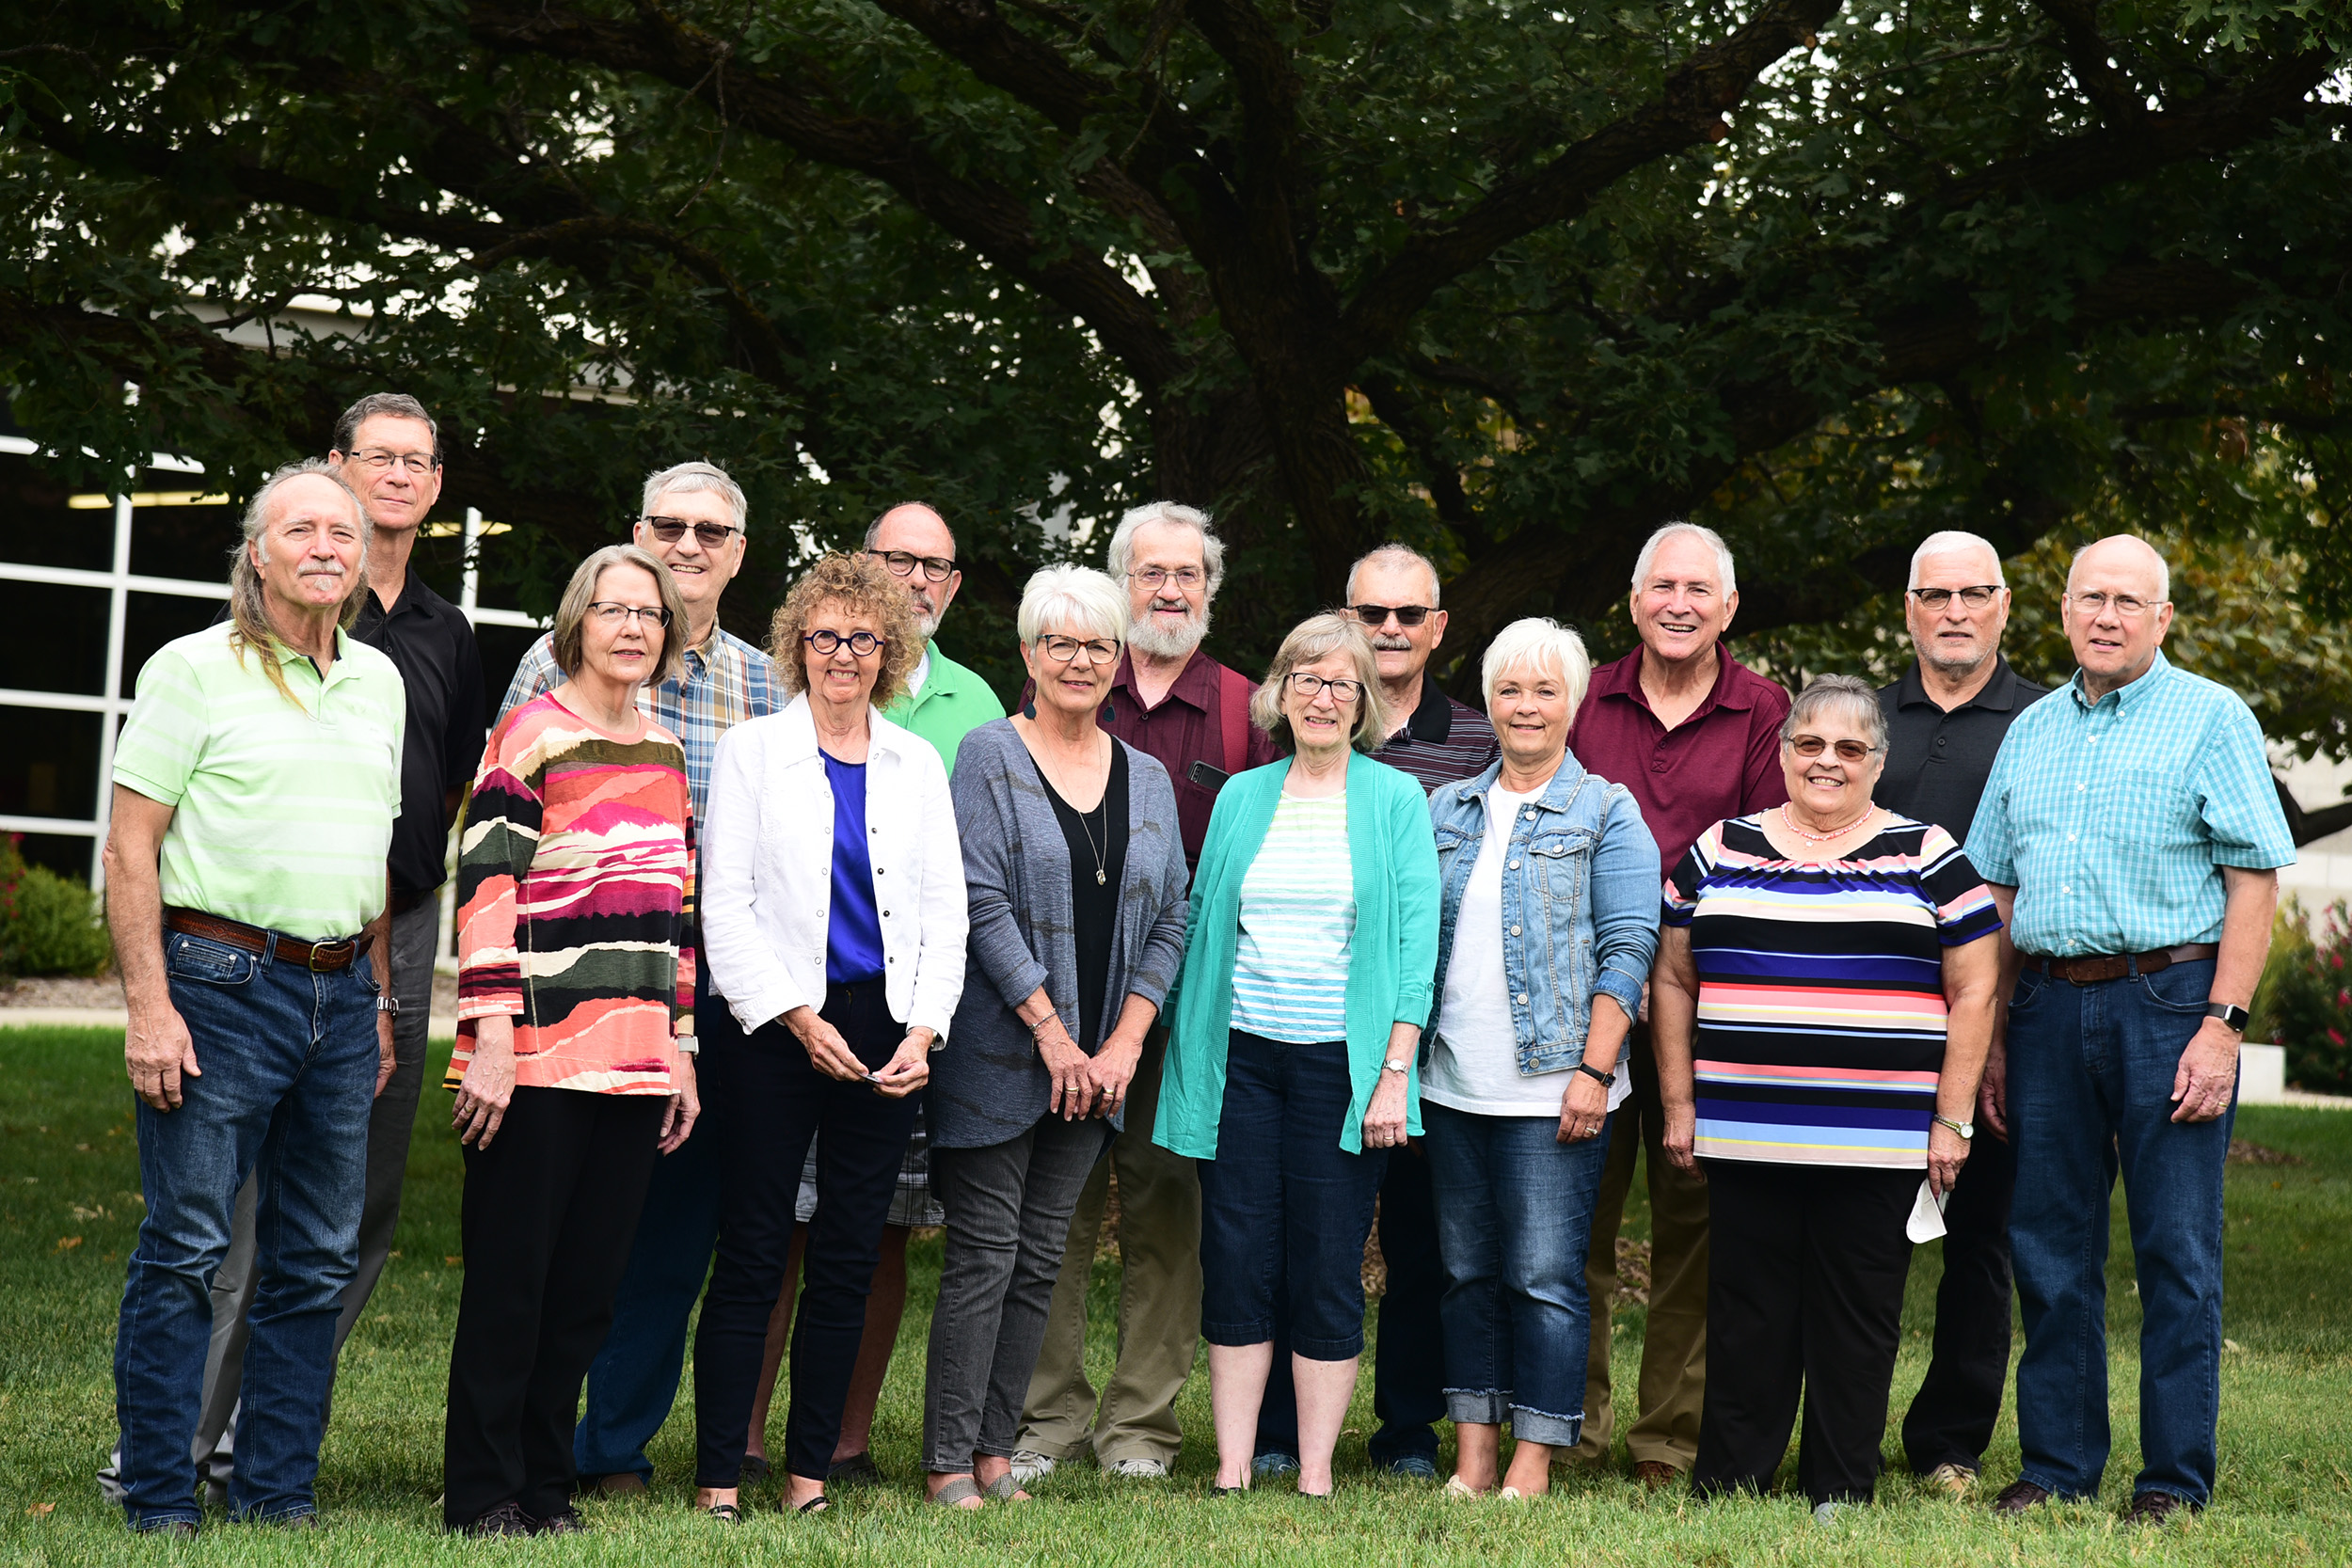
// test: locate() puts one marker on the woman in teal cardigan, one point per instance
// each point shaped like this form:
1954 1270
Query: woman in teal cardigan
1294 1033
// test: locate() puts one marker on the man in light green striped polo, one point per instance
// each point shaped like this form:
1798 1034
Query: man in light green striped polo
256 782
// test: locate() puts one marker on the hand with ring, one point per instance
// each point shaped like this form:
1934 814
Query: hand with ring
1583 1108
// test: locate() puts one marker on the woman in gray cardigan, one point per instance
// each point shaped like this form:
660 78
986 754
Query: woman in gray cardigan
1077 880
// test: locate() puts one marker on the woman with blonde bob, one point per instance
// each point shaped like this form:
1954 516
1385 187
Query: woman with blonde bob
833 920
1548 925
1075 872
1290 1069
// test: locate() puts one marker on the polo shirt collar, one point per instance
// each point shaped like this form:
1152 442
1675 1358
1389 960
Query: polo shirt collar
1195 685
1997 695
1433 719
289 654
1623 678
2127 695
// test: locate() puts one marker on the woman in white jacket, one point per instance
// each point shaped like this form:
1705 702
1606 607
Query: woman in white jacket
834 923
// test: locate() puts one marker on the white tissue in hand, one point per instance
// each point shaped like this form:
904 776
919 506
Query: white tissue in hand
1927 1213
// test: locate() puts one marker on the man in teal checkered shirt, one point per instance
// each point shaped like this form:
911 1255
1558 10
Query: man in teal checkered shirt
2132 835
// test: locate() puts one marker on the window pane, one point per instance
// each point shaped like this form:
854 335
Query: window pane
38 528
68 627
502 648
49 764
67 854
179 540
152 620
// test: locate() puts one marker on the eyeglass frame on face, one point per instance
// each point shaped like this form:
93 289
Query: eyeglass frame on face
936 568
419 464
671 529
1376 615
1862 753
1936 599
876 643
610 613
1099 650
1297 681
2130 607
1185 578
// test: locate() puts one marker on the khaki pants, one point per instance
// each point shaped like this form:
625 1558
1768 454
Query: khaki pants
1673 1389
1159 1299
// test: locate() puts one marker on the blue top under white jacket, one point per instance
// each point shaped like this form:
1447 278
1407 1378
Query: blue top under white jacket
1579 903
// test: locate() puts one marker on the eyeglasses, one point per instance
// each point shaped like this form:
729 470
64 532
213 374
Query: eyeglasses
606 614
902 562
671 529
419 463
1377 614
2126 606
1064 650
860 643
1187 577
1343 692
1936 599
1813 745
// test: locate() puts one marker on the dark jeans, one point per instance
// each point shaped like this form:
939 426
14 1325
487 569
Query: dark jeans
1408 1359
1516 1215
288 1061
2090 1072
1952 1417
1008 1208
768 1101
632 1384
1805 1296
549 1212
1284 1210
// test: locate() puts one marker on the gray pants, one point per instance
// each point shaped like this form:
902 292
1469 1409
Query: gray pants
1009 1209
415 936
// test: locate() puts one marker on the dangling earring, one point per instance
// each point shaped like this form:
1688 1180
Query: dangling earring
1110 714
1028 710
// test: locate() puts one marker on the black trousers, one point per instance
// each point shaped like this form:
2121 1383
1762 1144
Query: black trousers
550 1211
1805 1296
1951 1419
767 1102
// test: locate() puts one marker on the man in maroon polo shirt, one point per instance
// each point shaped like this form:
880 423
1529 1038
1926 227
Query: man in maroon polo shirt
1696 739
1178 705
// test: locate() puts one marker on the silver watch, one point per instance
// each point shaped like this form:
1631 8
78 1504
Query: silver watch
388 1004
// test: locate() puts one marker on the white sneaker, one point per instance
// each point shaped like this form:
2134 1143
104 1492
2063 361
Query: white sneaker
1826 1513
1137 1469
1028 1466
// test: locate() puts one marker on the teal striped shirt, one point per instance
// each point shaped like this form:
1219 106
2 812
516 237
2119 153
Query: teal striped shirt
1297 922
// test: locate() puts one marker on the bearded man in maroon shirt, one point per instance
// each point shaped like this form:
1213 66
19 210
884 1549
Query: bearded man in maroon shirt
1696 737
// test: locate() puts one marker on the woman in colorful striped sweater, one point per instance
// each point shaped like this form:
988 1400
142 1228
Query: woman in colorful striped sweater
1835 961
574 1036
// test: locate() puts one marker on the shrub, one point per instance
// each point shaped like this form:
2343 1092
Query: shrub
55 927
2304 1002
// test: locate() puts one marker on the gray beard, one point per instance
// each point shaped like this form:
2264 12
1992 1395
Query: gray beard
1156 641
927 624
1957 667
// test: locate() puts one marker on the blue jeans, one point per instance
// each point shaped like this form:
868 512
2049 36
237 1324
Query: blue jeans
1514 1216
1284 1210
2091 1073
633 1381
287 1061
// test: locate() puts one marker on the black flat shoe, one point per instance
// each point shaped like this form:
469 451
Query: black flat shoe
755 1467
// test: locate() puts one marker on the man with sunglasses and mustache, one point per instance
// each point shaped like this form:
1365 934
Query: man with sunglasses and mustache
1945 722
693 522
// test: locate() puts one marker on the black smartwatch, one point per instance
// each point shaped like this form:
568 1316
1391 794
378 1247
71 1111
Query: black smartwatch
2231 1013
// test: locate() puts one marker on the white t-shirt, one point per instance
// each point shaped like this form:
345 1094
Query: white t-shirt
1473 1064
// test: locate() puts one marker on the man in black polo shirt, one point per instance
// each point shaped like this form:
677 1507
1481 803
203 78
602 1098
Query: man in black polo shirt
1392 592
1945 720
388 450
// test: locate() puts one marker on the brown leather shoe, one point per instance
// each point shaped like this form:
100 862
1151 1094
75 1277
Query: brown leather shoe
2017 1497
1656 1474
2155 1507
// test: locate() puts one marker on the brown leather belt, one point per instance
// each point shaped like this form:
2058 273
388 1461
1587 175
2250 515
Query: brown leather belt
2114 966
323 957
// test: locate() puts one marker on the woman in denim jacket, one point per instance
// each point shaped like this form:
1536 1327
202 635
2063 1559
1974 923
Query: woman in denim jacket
1547 926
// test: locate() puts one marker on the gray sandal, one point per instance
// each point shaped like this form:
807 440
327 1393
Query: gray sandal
1004 1489
961 1490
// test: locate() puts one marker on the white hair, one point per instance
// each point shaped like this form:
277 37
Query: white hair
1707 536
1852 695
1122 552
1951 541
2164 567
1393 554
1060 598
687 478
1544 646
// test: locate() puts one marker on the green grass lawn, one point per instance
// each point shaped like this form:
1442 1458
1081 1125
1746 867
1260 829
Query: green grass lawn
71 1208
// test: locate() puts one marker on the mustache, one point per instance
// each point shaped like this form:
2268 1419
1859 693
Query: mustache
1392 644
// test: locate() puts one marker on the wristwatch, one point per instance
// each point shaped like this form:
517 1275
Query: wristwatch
1966 1130
388 1004
1396 1066
687 1045
1589 1070
2231 1013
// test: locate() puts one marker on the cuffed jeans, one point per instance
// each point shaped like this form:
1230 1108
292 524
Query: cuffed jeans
1515 1215
2090 1071
288 1060
632 1384
1008 1208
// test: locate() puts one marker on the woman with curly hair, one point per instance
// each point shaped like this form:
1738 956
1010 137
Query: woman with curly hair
833 925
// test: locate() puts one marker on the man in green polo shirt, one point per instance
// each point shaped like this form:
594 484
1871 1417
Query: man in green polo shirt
255 786
944 701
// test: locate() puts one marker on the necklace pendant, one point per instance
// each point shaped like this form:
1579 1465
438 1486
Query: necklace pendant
1099 878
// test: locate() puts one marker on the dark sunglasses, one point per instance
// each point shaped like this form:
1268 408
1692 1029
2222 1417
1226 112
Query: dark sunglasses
671 529
1377 614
